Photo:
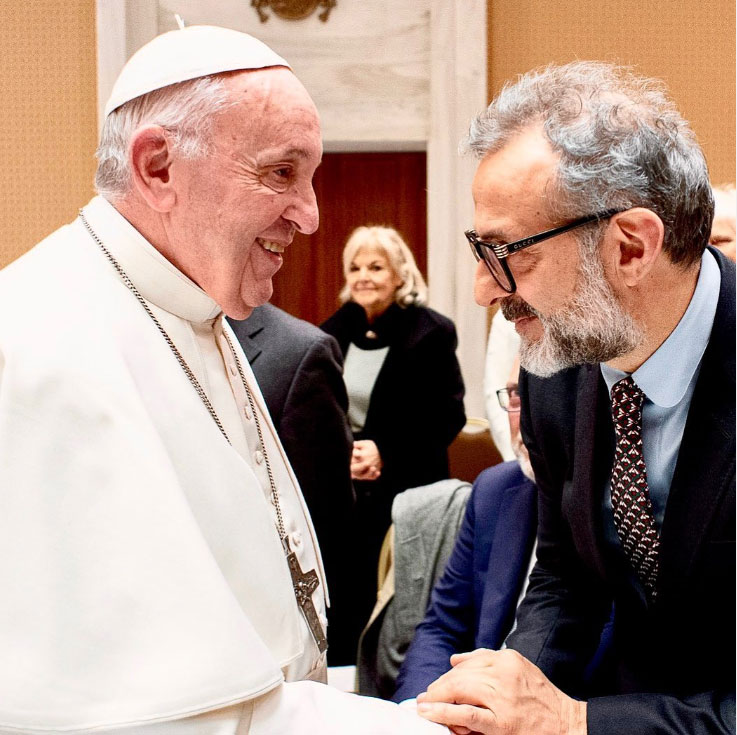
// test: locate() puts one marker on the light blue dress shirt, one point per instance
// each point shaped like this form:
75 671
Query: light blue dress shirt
668 378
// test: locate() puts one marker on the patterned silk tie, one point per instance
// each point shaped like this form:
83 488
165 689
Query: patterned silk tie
633 509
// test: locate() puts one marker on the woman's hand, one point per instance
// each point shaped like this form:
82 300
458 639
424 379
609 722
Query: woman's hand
366 461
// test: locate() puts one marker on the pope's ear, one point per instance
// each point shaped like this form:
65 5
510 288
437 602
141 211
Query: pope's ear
637 236
151 158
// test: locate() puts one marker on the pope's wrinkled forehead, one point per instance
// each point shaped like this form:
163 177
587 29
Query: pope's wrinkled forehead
268 118
189 53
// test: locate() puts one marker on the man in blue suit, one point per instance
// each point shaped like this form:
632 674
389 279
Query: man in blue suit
473 603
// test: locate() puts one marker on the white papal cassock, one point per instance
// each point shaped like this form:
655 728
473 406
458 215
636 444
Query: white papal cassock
143 586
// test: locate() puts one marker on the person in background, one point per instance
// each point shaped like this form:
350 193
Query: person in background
299 370
160 573
725 220
474 602
593 209
405 390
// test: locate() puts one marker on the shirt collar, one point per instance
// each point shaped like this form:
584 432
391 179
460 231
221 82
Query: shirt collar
157 280
665 376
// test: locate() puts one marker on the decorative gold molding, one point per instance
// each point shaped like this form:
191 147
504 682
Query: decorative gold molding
293 9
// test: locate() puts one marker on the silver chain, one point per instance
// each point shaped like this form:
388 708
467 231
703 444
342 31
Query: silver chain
193 380
252 404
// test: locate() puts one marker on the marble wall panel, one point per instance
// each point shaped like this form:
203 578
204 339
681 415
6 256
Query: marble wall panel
367 67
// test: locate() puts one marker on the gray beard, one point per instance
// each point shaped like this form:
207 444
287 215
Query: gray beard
593 327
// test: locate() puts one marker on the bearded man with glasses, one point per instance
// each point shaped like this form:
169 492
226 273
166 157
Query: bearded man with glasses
592 216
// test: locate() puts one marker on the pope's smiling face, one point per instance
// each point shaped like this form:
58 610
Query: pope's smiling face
239 206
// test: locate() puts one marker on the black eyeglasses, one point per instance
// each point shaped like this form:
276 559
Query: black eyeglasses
495 254
509 399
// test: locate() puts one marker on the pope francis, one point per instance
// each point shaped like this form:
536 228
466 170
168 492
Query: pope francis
159 572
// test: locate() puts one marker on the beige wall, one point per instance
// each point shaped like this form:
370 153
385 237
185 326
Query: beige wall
48 125
689 44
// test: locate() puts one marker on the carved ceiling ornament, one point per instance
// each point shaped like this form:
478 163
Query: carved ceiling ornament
293 9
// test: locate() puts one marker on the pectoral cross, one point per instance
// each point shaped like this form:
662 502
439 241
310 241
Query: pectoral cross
305 583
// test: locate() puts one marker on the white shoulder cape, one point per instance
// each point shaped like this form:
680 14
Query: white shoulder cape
130 531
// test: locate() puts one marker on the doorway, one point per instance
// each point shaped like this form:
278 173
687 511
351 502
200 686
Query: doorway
352 189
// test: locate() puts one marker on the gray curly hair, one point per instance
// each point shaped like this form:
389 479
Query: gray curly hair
622 143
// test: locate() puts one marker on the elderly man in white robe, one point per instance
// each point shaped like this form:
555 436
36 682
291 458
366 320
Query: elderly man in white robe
159 570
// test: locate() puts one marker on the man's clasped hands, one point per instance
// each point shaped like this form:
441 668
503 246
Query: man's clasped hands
494 692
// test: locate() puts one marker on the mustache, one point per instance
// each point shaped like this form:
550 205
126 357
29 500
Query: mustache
513 307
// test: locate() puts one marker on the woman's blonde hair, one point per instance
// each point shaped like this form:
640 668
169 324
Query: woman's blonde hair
390 243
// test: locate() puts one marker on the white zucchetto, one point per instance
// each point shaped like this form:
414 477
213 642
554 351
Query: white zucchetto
192 52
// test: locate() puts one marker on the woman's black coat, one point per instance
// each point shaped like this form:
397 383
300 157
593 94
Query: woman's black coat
416 406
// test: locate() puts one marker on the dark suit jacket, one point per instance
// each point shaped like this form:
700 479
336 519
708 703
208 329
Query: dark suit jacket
672 662
473 603
416 406
299 369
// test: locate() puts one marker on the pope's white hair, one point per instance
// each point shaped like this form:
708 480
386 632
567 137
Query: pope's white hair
185 110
